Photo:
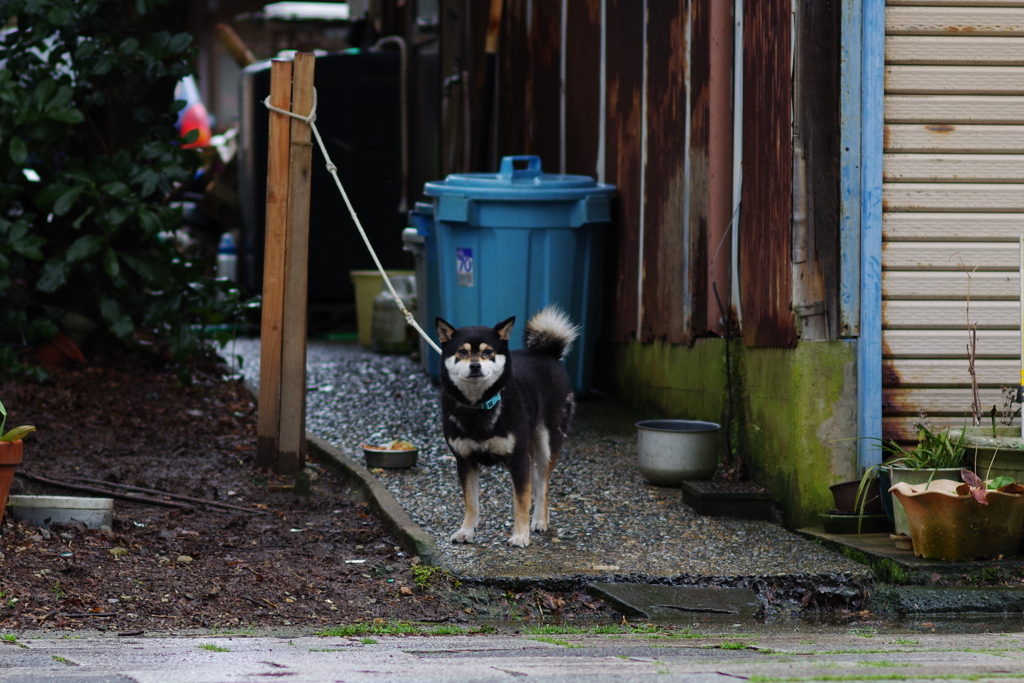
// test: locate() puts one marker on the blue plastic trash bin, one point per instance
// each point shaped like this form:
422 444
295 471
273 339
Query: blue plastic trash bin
516 241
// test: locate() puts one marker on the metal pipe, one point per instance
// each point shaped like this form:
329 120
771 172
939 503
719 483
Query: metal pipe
643 185
602 114
719 159
737 158
687 255
562 65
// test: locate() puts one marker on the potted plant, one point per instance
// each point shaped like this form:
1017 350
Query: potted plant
857 509
964 521
10 455
938 455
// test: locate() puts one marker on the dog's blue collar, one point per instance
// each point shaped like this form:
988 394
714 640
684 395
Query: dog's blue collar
490 403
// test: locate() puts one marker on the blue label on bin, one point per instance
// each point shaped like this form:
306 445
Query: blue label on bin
464 266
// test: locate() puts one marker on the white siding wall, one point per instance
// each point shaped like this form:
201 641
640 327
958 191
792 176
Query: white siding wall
953 201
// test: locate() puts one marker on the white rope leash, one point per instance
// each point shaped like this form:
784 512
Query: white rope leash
333 170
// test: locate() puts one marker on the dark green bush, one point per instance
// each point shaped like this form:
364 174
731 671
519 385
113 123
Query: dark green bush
89 157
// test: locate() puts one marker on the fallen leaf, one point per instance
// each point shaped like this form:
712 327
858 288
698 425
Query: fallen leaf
405 590
184 559
118 552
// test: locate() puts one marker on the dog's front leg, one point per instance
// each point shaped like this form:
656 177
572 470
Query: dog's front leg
469 477
521 492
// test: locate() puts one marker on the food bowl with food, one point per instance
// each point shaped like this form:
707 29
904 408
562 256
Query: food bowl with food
398 454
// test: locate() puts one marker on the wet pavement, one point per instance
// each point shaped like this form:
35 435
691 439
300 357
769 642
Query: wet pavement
722 652
608 523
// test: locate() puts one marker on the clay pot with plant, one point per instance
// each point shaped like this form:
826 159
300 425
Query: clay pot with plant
974 520
938 455
10 455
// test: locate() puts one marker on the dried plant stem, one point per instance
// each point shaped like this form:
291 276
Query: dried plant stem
972 349
972 345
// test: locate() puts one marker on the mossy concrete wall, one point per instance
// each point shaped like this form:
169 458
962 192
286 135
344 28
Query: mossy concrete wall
793 416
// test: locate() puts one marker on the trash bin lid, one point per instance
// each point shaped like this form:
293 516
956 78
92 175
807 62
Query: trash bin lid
518 184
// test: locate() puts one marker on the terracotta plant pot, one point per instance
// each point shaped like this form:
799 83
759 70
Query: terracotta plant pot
904 475
947 526
10 458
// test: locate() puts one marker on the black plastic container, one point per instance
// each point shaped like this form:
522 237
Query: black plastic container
358 116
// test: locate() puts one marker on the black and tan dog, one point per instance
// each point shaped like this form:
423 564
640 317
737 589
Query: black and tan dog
507 408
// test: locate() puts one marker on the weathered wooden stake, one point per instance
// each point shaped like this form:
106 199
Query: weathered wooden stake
293 359
269 423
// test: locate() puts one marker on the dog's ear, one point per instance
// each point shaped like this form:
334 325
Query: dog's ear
444 330
504 328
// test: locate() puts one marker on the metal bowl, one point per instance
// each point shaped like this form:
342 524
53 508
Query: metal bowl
390 460
45 510
670 452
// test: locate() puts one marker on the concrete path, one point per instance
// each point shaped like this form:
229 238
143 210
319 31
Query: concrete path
725 653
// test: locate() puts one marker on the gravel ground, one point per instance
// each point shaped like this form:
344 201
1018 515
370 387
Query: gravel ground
607 521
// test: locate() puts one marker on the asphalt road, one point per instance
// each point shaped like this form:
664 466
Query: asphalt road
751 651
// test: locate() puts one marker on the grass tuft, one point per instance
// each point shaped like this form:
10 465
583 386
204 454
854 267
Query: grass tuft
214 648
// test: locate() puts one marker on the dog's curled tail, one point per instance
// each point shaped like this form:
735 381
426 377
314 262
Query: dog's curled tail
550 332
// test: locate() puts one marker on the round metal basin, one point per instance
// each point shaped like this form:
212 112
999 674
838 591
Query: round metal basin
670 452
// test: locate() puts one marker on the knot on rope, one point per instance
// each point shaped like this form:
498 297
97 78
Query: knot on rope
309 118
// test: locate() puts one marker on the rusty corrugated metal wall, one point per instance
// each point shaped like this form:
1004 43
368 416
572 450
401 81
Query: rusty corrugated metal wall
623 161
529 81
697 237
583 86
664 290
767 196
650 138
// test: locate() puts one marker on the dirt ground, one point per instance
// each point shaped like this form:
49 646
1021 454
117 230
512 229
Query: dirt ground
280 559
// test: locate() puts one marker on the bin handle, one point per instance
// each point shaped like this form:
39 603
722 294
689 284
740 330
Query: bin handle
508 171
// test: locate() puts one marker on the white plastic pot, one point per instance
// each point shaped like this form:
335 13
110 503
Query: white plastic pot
670 452
45 510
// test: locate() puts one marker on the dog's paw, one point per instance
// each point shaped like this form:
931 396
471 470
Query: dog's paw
538 525
519 540
463 536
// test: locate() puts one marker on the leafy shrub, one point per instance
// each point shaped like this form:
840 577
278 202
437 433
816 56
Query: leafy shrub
89 162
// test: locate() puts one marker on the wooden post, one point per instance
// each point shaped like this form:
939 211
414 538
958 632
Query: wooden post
269 423
293 360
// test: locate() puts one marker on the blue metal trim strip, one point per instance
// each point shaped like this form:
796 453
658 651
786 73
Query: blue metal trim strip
849 170
869 349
